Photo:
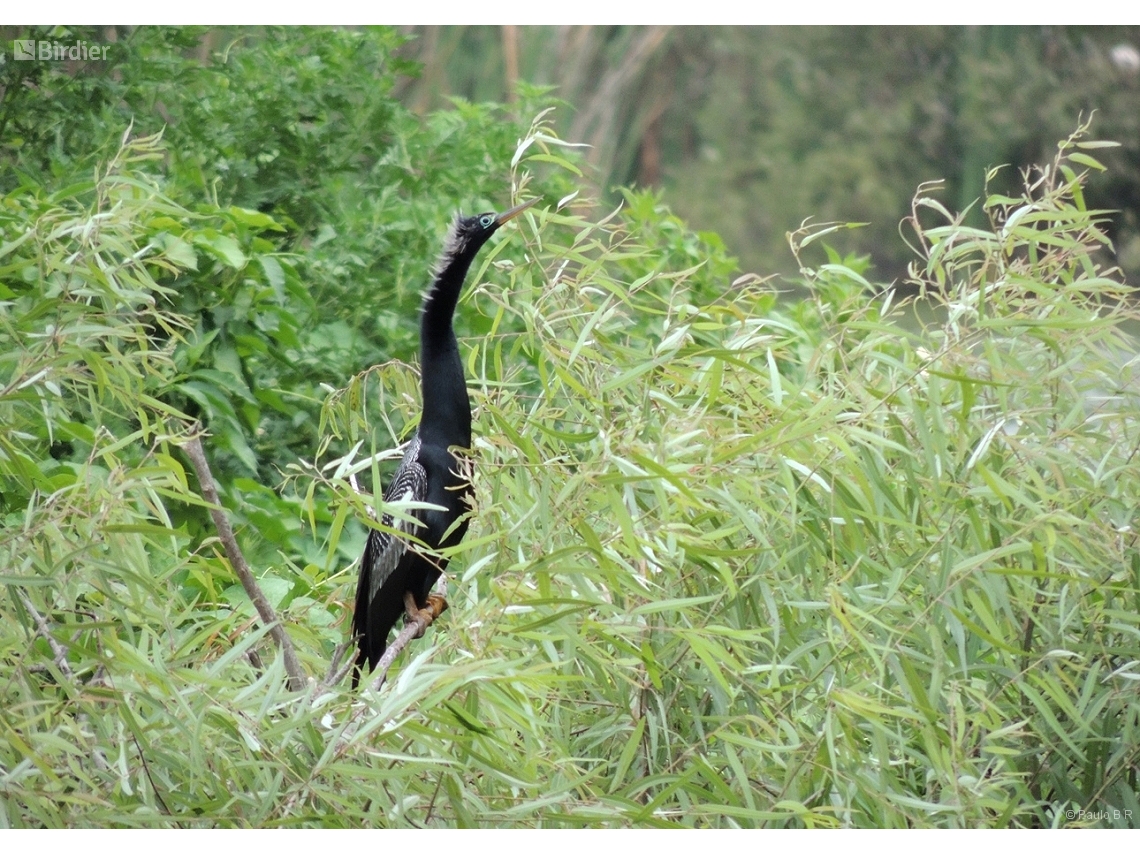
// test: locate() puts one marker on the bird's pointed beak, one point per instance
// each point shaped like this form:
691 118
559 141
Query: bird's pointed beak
515 211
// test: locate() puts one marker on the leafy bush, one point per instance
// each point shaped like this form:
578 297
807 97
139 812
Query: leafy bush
731 567
734 563
293 138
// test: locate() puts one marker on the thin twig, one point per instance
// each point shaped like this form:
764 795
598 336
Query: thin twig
149 776
297 678
133 728
337 671
57 649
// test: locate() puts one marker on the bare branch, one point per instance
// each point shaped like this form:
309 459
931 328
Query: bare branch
297 678
417 623
412 629
337 671
57 649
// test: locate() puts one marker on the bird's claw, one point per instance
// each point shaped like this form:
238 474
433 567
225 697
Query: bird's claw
436 605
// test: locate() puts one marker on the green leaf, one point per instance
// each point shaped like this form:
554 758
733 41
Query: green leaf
222 247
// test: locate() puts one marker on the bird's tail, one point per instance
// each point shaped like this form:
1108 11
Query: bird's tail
366 659
360 660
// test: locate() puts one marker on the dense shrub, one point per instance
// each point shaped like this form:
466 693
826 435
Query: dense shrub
734 562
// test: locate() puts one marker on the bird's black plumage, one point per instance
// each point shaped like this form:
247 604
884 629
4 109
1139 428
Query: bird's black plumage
429 472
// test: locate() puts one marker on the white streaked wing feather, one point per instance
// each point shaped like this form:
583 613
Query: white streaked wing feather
385 549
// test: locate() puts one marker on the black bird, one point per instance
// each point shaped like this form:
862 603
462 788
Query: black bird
429 472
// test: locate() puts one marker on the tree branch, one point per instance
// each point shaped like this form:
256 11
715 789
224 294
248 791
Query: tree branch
412 629
418 621
59 652
297 678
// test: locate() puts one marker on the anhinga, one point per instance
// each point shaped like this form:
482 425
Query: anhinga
392 567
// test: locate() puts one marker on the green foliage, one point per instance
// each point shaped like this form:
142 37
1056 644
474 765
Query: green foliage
730 567
326 201
842 125
100 584
752 129
733 564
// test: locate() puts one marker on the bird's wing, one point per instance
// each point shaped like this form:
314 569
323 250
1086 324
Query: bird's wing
384 549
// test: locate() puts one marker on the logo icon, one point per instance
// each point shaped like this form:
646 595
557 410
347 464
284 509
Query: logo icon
30 49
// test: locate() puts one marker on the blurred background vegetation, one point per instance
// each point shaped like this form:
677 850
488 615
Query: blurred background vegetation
740 559
750 130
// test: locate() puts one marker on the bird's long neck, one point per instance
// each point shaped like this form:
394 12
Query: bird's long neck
447 411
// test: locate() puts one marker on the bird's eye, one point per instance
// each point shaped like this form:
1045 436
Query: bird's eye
486 220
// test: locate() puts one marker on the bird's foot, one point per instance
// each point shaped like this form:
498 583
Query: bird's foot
436 605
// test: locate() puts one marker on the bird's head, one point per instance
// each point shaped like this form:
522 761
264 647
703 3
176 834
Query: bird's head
468 234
